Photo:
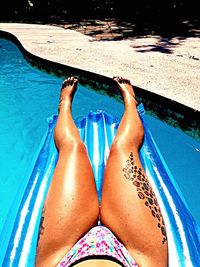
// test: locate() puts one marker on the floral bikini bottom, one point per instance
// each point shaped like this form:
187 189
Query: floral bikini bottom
99 241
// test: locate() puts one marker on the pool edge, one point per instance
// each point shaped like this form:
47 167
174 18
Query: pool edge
172 112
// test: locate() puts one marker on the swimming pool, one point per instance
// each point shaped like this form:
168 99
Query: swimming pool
29 96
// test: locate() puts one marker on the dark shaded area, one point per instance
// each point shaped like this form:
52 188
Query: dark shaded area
164 45
166 19
112 29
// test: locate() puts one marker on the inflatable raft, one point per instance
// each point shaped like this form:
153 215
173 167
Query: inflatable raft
97 130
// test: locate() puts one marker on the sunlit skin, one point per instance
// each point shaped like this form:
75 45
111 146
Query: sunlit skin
129 207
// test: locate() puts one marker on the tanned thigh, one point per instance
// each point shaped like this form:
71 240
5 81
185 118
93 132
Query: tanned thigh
130 209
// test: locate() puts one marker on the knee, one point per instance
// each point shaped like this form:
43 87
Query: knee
69 143
125 142
122 144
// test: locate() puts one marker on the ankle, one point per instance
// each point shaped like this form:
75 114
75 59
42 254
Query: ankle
64 104
129 99
130 104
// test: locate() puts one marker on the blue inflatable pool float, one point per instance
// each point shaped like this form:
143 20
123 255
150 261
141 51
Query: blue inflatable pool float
97 130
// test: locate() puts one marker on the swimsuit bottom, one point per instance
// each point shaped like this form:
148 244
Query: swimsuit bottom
99 243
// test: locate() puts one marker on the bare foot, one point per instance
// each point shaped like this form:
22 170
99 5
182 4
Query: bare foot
68 89
126 89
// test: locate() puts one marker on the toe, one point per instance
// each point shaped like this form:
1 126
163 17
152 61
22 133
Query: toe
117 79
65 83
127 81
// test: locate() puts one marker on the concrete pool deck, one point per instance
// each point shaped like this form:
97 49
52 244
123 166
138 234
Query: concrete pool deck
170 68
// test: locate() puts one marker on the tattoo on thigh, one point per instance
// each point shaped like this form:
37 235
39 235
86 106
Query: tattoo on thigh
41 230
145 192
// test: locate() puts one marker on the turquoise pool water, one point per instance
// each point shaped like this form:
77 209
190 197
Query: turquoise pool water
28 97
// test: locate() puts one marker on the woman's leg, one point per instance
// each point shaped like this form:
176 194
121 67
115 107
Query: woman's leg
129 207
71 207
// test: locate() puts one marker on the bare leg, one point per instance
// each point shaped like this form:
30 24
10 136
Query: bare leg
71 207
129 206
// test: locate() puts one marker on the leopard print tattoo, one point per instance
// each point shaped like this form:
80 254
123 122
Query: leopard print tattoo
145 192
